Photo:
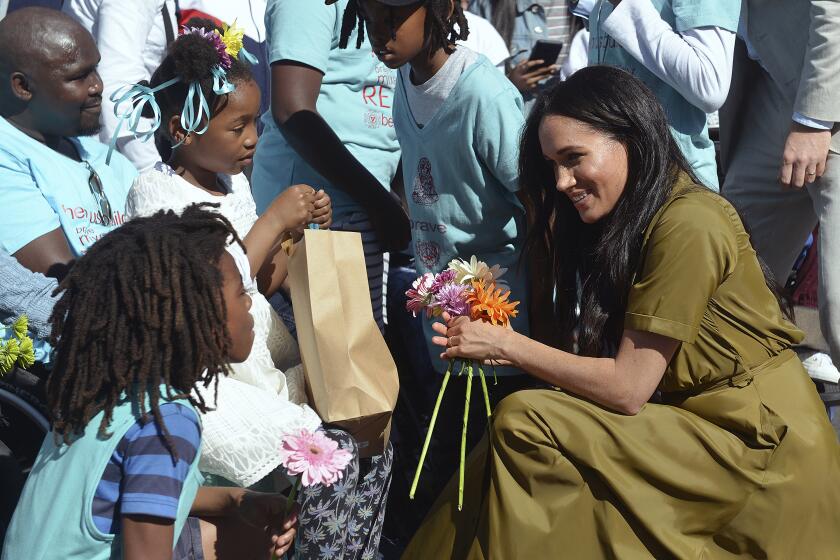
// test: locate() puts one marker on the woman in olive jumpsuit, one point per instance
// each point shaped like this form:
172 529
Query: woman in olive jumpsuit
680 423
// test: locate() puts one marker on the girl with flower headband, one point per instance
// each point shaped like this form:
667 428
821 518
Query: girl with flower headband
206 103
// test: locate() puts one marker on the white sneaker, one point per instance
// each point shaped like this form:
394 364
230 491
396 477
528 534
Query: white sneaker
819 366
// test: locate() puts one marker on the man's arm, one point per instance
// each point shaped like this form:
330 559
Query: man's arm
48 254
26 292
806 148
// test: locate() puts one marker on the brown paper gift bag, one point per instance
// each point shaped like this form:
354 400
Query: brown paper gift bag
351 377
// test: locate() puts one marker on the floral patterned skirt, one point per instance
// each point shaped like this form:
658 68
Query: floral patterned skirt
344 521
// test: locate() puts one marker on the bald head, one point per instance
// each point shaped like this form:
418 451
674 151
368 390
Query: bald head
48 80
36 36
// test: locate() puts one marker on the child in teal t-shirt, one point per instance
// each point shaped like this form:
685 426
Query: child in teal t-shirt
330 126
355 99
458 121
152 309
636 24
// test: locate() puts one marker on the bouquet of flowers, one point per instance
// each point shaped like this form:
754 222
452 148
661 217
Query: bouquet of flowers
465 289
15 346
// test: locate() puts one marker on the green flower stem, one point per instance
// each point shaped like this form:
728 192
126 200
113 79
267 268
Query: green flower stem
430 430
495 379
484 389
464 439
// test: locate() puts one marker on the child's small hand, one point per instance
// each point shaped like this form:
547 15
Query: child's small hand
293 209
323 210
268 510
282 538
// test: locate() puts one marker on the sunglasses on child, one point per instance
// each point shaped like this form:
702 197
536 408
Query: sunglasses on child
98 192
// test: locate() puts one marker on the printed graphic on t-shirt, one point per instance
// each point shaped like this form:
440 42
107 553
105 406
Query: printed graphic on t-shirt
378 98
424 184
87 224
428 252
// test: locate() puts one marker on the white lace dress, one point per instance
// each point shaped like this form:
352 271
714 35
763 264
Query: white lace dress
258 403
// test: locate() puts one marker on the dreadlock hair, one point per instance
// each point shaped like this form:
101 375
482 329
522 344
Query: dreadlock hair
142 308
191 58
440 25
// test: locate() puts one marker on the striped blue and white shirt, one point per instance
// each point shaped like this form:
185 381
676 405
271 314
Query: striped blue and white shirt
141 477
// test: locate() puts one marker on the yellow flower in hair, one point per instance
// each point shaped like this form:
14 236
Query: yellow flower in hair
232 38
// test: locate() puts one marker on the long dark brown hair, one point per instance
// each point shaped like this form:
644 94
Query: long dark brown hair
588 268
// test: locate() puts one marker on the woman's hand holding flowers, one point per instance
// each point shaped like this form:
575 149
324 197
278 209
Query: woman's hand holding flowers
474 340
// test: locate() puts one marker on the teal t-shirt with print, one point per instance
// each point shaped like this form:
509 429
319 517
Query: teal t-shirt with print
355 99
461 176
42 190
688 122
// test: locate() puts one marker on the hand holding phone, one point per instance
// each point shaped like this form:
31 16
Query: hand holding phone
540 66
546 51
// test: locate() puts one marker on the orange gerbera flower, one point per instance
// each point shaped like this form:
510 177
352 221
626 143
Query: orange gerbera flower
489 304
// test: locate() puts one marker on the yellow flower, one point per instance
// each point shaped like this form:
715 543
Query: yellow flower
20 326
489 304
232 38
9 352
27 353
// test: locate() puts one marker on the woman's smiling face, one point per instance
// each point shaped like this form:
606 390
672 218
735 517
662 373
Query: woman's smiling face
590 167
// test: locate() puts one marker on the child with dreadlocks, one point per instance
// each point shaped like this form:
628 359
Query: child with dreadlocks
458 121
152 310
258 404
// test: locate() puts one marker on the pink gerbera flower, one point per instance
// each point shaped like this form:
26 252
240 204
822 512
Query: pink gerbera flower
315 457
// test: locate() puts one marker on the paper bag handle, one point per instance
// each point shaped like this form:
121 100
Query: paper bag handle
288 244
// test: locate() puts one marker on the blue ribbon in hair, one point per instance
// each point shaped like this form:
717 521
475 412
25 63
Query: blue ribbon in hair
138 96
194 112
249 58
221 85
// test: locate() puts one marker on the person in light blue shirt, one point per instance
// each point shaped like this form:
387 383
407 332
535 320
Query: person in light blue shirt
330 126
683 51
458 120
460 172
58 195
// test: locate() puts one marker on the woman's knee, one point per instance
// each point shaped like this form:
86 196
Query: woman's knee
511 413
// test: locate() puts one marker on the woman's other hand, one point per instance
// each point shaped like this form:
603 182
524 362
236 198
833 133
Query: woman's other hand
473 340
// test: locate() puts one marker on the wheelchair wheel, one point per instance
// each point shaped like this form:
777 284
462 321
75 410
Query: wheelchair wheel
23 425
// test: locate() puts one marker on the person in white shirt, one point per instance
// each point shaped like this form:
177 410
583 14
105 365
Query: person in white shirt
132 37
682 50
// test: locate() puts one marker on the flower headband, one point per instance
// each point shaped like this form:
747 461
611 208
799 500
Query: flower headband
228 45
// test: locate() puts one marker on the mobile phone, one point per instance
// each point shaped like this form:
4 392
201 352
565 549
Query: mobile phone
547 51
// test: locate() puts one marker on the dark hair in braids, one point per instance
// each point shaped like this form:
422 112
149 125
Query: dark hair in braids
142 308
588 269
191 58
441 29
